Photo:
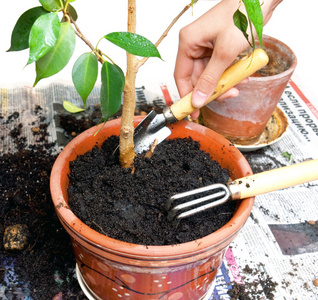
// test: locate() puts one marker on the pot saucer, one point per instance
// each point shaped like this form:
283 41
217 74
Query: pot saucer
275 129
86 290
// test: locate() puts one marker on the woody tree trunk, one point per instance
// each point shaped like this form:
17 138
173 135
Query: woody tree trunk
126 144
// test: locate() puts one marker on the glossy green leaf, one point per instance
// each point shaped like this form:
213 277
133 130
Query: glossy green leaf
72 108
71 10
241 22
255 14
43 36
133 43
21 30
58 57
113 82
52 5
84 74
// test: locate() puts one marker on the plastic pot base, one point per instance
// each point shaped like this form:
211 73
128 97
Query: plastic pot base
91 296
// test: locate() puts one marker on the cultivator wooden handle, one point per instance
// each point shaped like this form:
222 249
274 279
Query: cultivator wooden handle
231 77
276 179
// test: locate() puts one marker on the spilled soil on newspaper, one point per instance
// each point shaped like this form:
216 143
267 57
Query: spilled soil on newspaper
262 285
36 258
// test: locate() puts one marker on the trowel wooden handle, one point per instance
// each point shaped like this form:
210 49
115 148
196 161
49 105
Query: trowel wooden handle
277 179
231 77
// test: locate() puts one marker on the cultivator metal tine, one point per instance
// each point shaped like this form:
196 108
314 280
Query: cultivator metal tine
219 195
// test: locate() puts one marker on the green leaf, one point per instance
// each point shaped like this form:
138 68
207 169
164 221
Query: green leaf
52 5
255 14
133 43
72 108
43 36
241 22
289 156
84 74
113 82
21 30
58 57
71 10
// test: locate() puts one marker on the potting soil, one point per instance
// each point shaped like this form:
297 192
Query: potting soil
130 205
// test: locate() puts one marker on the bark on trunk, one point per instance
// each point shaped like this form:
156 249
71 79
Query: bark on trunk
126 144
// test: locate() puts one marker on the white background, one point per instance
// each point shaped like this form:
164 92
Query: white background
294 22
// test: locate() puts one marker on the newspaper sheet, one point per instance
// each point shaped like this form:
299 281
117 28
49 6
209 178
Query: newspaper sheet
276 243
277 240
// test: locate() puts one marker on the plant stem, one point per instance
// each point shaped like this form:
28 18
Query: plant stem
126 143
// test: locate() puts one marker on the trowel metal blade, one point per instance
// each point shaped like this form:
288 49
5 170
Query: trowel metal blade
152 127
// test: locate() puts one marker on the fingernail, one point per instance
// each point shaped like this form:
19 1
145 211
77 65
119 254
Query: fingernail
199 99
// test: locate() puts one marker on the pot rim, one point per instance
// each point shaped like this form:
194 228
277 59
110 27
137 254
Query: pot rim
290 70
91 236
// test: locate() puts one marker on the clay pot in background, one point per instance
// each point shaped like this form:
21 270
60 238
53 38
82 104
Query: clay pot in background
243 119
112 269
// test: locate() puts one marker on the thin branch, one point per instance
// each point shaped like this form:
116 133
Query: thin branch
85 40
165 33
81 35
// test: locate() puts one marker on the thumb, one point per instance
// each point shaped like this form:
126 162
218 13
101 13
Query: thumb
207 82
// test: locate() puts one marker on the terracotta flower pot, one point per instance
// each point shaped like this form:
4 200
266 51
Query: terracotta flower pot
243 119
112 269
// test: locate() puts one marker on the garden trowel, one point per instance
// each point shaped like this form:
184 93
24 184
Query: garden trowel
152 129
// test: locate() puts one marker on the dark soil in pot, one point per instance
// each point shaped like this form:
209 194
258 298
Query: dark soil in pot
130 206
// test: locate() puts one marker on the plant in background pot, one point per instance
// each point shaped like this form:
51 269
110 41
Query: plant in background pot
243 119
109 268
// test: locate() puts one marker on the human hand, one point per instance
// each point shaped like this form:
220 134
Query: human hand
207 47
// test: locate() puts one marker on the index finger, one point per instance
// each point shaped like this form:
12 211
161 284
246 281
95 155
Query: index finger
183 73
